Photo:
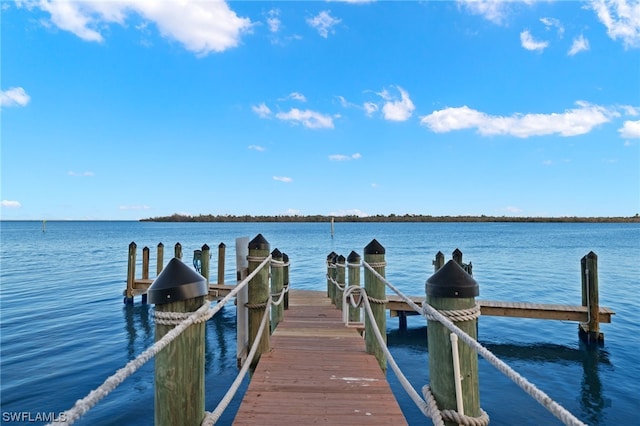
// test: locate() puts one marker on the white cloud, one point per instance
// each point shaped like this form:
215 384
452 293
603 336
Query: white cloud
308 118
622 19
577 121
512 209
529 43
342 157
257 148
85 174
15 96
580 44
492 10
201 27
284 179
630 129
370 108
296 96
292 212
323 22
631 110
262 110
549 23
10 204
394 109
273 20
349 212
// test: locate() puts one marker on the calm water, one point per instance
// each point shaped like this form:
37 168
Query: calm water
64 328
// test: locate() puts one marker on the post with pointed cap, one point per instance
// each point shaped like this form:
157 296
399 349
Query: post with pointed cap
589 332
160 259
145 270
179 367
340 278
222 248
353 263
177 250
258 294
451 288
131 274
205 261
374 256
330 268
438 262
276 288
285 279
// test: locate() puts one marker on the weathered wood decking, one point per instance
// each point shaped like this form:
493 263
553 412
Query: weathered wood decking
317 372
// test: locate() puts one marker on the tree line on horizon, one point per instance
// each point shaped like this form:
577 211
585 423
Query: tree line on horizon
384 218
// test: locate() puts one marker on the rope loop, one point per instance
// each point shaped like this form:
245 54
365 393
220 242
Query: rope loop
459 315
377 264
256 305
175 318
377 301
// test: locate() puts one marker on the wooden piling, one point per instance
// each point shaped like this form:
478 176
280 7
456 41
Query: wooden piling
452 289
285 280
204 261
258 295
330 268
221 254
131 273
277 312
457 256
177 250
179 367
589 332
353 263
375 288
340 278
160 260
145 270
438 262
242 319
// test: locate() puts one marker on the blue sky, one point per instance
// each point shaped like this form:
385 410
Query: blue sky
133 109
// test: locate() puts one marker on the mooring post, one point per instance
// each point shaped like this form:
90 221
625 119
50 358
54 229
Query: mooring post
145 270
258 296
204 261
375 288
177 250
353 263
242 320
452 289
276 288
589 332
330 268
438 262
221 253
131 273
457 256
179 367
285 279
340 278
160 260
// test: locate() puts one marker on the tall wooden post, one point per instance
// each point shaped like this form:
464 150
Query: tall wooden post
457 256
330 268
438 262
451 288
179 367
131 273
375 288
353 263
221 254
276 288
177 250
340 278
145 270
285 279
160 260
589 332
258 294
242 319
204 261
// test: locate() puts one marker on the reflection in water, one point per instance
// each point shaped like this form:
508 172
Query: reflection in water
137 318
591 399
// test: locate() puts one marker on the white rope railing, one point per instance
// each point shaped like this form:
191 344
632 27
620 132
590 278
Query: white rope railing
553 407
203 313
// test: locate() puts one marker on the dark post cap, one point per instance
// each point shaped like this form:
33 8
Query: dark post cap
221 245
177 282
285 257
353 257
160 244
453 282
259 243
276 254
330 255
205 247
374 247
341 259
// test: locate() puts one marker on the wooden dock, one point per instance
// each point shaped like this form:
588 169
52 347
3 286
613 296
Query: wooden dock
317 372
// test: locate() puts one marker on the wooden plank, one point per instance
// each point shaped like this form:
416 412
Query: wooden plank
317 372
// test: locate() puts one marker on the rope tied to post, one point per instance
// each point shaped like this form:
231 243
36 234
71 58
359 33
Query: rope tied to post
459 315
175 318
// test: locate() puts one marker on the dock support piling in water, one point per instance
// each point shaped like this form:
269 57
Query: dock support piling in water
205 261
353 263
277 311
131 273
160 260
177 251
258 296
242 319
452 289
340 278
179 367
438 262
221 254
330 268
374 255
285 280
589 332
145 270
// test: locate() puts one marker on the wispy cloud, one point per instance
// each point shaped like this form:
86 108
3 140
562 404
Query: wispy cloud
551 23
273 20
528 42
349 212
491 10
323 22
394 107
621 18
580 44
15 96
9 204
83 174
512 209
342 157
257 148
630 129
262 110
296 96
201 27
577 121
284 179
308 118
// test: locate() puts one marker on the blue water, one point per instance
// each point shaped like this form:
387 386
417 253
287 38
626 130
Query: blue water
64 328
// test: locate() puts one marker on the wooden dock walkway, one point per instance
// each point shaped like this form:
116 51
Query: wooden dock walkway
317 372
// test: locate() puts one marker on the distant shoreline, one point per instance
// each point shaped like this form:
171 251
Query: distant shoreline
389 218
